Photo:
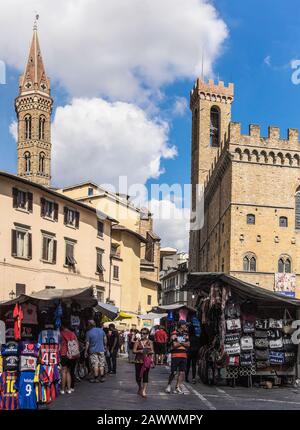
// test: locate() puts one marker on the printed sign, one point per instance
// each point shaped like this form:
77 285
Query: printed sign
285 283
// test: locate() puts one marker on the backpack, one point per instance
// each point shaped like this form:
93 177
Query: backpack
72 347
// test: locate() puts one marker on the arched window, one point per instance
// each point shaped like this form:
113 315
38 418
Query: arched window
42 162
297 210
283 221
284 264
27 127
27 160
214 126
42 121
250 219
249 262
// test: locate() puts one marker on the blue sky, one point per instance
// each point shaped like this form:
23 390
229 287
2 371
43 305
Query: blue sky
263 38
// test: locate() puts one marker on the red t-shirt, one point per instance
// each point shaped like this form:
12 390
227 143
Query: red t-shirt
66 335
160 336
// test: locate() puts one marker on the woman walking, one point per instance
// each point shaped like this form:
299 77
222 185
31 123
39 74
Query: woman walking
192 355
69 357
143 350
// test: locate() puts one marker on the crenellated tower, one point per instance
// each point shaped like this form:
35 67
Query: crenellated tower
33 108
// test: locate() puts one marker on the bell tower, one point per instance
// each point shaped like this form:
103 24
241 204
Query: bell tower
33 108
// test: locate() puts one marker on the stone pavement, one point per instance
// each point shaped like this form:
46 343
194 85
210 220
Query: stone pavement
119 392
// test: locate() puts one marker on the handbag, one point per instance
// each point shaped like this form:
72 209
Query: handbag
232 338
262 355
288 345
274 334
289 357
233 324
261 333
287 323
232 349
276 344
246 343
234 360
262 364
276 357
275 323
261 343
248 327
246 359
232 310
262 324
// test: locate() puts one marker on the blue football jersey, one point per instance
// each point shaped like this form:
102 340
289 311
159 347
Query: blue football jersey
26 390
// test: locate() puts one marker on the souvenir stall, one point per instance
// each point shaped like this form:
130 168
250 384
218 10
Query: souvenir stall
246 332
176 313
30 343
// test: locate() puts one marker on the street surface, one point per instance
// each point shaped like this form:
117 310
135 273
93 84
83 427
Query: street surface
119 392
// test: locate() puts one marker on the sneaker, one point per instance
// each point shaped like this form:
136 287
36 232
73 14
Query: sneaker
178 391
62 392
69 391
72 390
168 389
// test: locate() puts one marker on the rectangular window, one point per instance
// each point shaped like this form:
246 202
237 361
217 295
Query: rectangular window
49 249
71 217
99 263
21 243
70 259
20 289
49 209
116 272
149 298
22 200
100 294
100 228
90 191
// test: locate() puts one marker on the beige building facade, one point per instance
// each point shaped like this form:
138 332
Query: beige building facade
251 194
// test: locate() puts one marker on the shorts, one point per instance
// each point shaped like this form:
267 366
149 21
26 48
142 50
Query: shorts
159 348
66 362
178 364
97 359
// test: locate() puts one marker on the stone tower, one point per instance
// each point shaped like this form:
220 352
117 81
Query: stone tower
210 104
33 108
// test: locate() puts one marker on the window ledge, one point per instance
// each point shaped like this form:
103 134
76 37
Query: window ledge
23 210
71 226
100 237
47 262
49 219
22 258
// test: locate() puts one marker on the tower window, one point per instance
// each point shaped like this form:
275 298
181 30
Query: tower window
250 219
249 263
27 159
42 162
27 127
284 265
283 221
42 121
297 210
214 126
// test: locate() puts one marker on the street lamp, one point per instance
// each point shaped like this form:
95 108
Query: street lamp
12 294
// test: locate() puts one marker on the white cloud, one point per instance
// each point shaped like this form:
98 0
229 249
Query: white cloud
171 223
13 129
121 49
180 106
98 140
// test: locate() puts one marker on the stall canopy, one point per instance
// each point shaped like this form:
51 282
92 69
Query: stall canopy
163 308
108 310
152 316
200 281
84 296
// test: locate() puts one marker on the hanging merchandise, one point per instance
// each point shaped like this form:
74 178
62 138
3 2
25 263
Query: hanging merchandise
18 317
246 359
8 394
233 324
58 315
276 357
246 343
262 324
287 321
183 313
170 316
49 336
261 343
2 333
29 314
196 325
26 390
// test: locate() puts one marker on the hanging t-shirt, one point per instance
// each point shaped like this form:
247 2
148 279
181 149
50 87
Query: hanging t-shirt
11 348
49 336
26 347
27 332
18 317
75 321
8 316
183 313
10 363
49 354
29 314
26 390
27 363
9 333
8 393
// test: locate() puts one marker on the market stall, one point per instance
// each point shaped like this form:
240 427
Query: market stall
30 343
175 313
247 332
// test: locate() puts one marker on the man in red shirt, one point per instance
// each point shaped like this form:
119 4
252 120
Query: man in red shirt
160 345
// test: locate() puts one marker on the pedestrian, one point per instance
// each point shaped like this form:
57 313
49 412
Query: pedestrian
126 334
69 351
112 348
131 340
192 355
143 350
160 345
122 342
95 349
179 346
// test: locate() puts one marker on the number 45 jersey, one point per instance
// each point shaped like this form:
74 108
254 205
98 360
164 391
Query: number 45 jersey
26 390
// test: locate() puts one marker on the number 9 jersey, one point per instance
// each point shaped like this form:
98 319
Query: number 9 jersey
26 390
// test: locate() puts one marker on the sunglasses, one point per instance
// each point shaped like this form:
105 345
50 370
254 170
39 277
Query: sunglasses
144 332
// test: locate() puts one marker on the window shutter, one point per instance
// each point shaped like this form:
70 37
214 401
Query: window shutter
55 211
29 202
15 197
29 255
14 243
44 249
297 211
43 207
54 251
77 216
65 215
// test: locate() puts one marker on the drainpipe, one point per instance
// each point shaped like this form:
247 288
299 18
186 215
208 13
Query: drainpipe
110 261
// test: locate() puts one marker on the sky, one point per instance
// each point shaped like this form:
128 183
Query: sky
121 73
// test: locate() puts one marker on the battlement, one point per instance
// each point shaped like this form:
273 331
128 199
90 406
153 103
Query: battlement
212 91
254 137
